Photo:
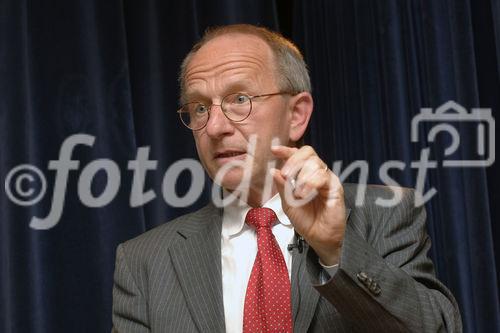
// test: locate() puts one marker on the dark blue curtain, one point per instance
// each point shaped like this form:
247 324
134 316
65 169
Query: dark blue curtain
109 69
374 65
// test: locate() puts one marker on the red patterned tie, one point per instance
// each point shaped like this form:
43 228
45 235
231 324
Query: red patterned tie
267 301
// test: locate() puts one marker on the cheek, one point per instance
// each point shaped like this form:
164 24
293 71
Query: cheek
280 119
197 145
201 148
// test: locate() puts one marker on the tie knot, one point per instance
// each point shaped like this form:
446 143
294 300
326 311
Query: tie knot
261 218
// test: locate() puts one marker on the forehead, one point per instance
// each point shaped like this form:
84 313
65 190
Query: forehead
232 55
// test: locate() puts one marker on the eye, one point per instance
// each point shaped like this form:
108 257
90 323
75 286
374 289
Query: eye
199 109
240 99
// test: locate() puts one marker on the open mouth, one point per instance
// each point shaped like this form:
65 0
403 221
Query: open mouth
229 154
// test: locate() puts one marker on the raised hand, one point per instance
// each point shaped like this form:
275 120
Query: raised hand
321 218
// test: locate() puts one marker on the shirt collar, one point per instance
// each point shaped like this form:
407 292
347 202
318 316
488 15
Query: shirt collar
235 213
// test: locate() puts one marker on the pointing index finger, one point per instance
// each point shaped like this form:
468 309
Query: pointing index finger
283 152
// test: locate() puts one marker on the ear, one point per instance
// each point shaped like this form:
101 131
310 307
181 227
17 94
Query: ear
301 106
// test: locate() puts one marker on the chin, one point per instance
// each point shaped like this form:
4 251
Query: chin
231 180
230 184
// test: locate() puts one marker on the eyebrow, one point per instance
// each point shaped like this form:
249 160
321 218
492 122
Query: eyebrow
237 86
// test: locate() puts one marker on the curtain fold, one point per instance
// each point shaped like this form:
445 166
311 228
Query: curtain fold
374 66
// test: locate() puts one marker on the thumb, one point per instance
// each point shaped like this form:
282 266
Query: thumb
285 189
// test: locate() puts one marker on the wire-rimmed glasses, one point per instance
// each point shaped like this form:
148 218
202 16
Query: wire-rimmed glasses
236 107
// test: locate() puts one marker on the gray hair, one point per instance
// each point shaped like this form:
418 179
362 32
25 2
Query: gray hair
291 70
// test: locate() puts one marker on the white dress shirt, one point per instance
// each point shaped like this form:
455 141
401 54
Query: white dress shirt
238 252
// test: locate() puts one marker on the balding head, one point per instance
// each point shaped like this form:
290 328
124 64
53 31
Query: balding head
289 67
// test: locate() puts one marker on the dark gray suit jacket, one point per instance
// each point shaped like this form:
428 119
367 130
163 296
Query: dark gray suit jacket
169 278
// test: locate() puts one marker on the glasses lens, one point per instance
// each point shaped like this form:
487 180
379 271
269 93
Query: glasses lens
237 106
194 115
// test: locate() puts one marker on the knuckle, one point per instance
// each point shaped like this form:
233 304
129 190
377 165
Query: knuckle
308 149
311 182
311 164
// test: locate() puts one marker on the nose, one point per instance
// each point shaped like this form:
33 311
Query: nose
218 125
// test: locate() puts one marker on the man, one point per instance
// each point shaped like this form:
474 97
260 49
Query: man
245 89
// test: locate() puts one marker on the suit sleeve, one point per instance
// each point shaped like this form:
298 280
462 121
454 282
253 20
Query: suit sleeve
385 281
129 304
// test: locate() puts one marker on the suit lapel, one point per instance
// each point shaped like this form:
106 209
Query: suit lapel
304 296
296 264
197 260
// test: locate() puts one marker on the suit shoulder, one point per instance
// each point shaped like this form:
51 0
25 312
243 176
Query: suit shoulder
378 210
367 195
164 235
